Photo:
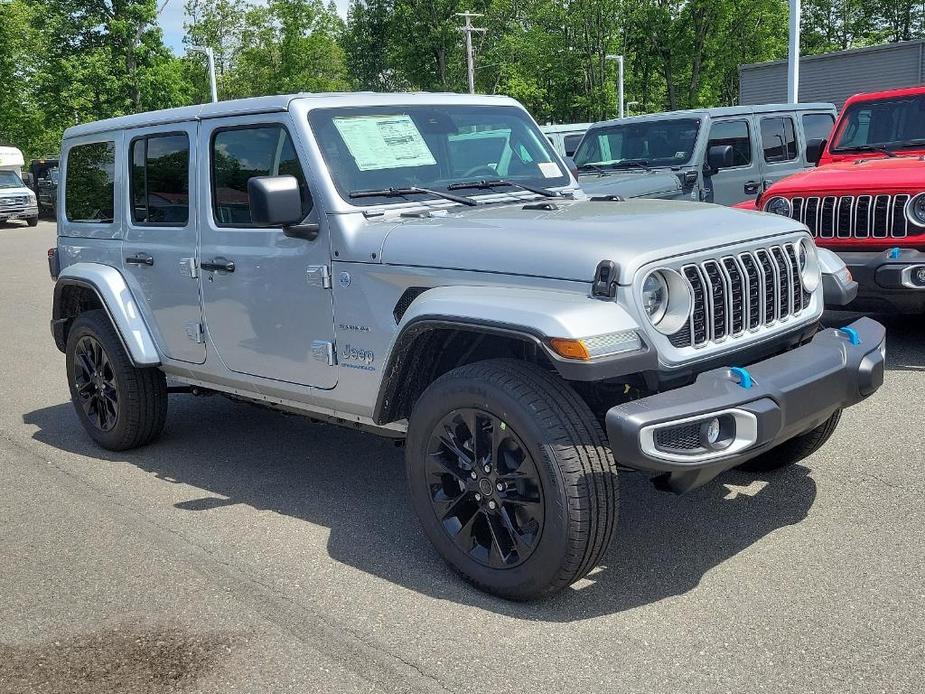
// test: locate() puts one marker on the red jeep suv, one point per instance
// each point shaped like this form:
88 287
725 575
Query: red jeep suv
866 198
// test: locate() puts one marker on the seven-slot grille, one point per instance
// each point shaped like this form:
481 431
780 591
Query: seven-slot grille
734 294
855 217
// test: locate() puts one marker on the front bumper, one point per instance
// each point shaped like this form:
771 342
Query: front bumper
789 394
891 280
7 214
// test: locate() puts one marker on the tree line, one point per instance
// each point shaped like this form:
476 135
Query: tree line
70 61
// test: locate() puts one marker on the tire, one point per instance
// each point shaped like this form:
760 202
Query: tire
558 508
32 221
119 405
794 450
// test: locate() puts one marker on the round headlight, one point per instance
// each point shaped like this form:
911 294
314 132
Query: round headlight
808 260
779 206
666 298
915 210
655 297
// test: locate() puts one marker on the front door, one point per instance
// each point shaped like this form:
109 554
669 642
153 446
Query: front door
159 248
268 311
742 181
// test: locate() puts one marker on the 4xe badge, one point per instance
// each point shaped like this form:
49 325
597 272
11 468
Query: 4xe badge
357 357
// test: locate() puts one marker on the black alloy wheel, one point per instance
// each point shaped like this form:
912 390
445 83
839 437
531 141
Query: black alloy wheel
484 488
95 384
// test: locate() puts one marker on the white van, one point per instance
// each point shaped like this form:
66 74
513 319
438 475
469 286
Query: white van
16 200
566 136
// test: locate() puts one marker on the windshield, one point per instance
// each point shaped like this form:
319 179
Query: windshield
889 124
382 147
10 179
656 143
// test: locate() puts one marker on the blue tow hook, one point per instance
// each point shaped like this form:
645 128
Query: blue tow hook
851 334
894 253
745 378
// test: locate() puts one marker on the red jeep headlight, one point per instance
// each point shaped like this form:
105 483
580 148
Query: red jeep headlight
781 206
915 210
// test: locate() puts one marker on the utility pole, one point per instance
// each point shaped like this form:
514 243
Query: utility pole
210 56
619 61
468 30
793 55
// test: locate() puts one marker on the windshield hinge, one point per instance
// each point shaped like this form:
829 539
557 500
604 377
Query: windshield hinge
605 280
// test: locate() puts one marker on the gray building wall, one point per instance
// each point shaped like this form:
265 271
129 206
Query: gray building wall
834 77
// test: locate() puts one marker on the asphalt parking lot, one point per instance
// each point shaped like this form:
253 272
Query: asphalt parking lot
252 552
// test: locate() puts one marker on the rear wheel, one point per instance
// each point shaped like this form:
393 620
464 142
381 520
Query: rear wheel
512 478
796 449
119 405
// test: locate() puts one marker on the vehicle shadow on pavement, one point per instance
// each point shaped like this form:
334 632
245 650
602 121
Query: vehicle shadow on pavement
355 485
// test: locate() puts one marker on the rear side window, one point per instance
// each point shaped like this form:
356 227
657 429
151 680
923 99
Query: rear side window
89 191
779 139
736 134
238 155
160 180
571 143
818 126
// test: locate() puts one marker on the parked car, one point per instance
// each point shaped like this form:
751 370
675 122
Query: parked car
866 200
565 137
332 256
16 200
716 155
44 183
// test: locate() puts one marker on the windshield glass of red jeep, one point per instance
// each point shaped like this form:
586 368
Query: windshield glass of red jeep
370 149
667 142
891 124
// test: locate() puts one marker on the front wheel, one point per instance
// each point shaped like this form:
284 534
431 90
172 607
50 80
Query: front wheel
794 450
512 478
119 405
32 221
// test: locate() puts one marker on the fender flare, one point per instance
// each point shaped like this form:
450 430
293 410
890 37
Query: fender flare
530 315
116 298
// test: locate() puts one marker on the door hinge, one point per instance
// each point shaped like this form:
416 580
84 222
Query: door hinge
195 332
323 351
189 268
318 276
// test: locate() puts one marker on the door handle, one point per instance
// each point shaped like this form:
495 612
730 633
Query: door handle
218 265
752 187
140 259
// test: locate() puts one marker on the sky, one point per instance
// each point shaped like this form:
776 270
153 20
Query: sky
171 21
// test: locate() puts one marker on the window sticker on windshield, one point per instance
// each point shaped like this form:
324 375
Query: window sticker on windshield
384 142
549 169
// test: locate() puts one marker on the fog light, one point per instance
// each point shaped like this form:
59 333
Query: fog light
717 433
913 277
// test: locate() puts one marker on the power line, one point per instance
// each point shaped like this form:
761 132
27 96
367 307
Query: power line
468 30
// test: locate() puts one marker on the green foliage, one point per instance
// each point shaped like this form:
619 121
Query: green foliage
70 61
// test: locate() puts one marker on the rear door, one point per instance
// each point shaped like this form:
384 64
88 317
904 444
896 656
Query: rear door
159 248
742 181
780 148
270 312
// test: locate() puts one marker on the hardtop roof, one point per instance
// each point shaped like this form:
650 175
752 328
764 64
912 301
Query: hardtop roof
719 112
270 104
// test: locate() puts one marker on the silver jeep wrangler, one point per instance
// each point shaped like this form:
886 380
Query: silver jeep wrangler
425 267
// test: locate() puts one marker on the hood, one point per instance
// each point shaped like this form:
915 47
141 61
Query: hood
630 184
892 175
15 192
568 242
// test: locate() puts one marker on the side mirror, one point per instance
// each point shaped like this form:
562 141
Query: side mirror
814 150
275 201
720 157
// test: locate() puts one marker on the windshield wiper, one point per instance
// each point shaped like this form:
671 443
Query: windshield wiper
869 148
410 190
596 168
641 163
915 142
503 183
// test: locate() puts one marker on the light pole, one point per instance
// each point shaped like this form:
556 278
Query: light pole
468 30
793 55
619 60
210 55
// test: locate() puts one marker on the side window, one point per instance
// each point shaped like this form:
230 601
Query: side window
89 191
571 143
818 126
239 154
736 134
779 140
160 180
